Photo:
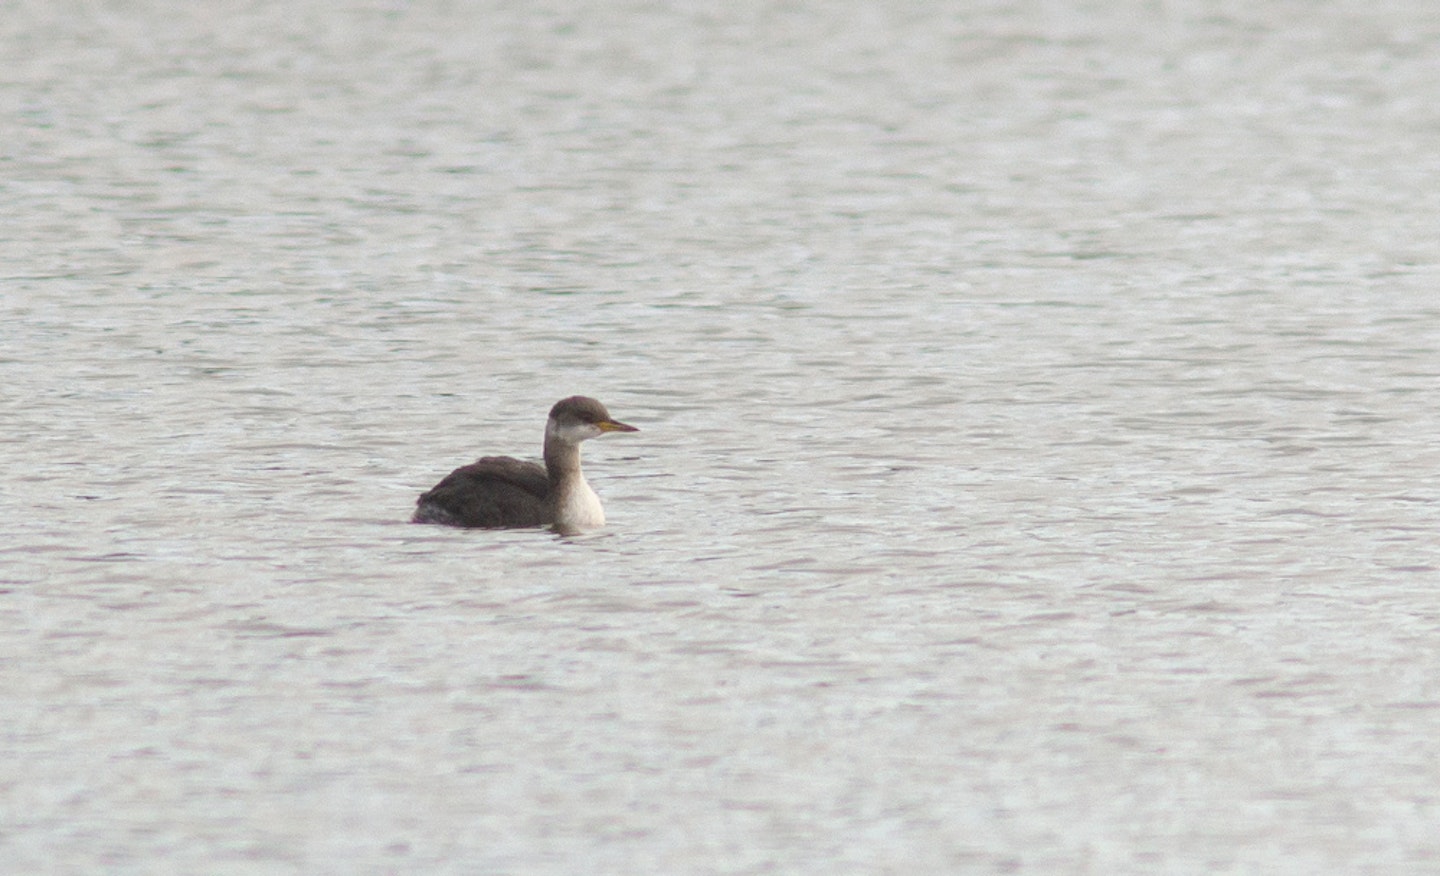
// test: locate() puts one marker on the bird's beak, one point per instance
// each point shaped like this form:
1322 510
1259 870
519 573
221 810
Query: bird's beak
615 426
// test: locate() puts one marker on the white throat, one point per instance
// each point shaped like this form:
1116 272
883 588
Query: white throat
572 434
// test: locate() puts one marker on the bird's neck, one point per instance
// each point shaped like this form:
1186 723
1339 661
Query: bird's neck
562 461
576 507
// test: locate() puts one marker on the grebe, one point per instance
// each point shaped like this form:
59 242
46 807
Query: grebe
501 492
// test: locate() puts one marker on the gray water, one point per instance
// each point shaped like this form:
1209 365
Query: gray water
1037 466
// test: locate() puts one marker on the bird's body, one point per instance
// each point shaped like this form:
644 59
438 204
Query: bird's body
494 491
501 492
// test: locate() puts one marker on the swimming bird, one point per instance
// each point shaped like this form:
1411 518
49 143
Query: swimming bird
500 492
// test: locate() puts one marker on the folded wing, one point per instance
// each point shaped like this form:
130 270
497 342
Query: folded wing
494 491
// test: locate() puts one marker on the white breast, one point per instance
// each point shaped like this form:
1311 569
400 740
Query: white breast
579 507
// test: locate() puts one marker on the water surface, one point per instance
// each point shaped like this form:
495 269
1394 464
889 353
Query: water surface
1037 458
